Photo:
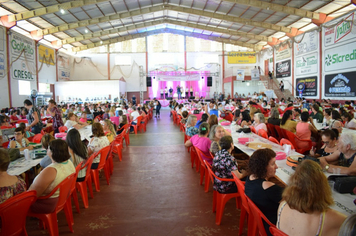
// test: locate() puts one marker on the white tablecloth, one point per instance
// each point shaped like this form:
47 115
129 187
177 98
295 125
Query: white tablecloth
22 165
85 132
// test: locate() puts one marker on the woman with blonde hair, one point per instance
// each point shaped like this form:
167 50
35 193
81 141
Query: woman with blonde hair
109 129
212 120
305 206
112 111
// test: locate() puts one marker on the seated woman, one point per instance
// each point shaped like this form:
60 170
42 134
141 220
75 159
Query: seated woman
28 133
329 138
201 141
204 118
97 143
305 207
109 129
5 122
287 122
123 121
46 139
304 129
316 113
83 117
344 158
327 116
336 122
237 117
259 122
274 117
106 114
265 194
184 117
73 122
191 130
348 228
20 141
78 152
245 119
9 185
213 120
216 133
13 117
223 164
51 176
350 121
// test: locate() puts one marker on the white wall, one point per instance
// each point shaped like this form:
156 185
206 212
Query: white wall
89 67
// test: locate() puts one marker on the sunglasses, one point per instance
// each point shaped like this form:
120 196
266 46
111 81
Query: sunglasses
18 133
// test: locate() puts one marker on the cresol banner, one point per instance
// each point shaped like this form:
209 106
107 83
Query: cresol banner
340 85
307 64
283 69
309 43
342 31
341 57
24 67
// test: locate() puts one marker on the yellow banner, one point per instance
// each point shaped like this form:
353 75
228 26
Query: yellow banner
46 55
241 58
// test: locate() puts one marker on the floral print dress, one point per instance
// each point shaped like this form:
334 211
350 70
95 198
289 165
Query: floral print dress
223 164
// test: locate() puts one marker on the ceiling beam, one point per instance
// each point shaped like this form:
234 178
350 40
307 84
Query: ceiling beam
158 22
160 31
50 9
277 8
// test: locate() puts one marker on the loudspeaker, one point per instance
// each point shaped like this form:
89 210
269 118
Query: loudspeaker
148 82
192 97
169 98
210 81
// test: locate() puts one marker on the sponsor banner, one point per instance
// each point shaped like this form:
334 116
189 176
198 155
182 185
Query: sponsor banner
308 44
22 70
241 57
283 68
340 85
307 87
46 55
342 31
341 57
240 75
63 67
19 43
2 39
283 52
307 64
255 74
2 65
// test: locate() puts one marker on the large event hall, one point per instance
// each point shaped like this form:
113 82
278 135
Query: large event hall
178 117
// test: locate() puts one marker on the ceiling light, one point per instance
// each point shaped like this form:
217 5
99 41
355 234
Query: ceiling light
62 11
86 31
101 42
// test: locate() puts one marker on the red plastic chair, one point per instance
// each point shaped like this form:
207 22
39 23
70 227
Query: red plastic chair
117 145
22 121
102 165
82 186
253 130
286 141
144 124
138 124
186 138
220 199
258 217
50 219
37 138
4 145
263 133
279 132
62 129
203 170
271 130
276 232
245 209
194 158
13 213
272 139
73 191
298 143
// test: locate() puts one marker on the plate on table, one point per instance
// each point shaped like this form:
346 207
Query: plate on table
257 146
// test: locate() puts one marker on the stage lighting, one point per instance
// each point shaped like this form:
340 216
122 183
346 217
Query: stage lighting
202 77
154 77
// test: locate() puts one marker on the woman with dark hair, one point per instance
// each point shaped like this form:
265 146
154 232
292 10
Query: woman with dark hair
97 143
327 116
316 114
51 176
213 120
201 141
45 140
350 121
78 151
237 117
264 193
158 108
287 122
329 137
336 122
305 207
20 141
245 118
304 130
204 118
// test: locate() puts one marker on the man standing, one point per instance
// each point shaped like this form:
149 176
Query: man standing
270 75
171 92
179 92
166 93
33 117
191 91
161 93
56 115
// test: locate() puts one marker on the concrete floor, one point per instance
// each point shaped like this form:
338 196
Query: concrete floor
153 191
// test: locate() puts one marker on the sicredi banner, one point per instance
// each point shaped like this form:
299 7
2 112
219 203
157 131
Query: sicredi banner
340 85
19 43
307 64
283 69
342 31
341 57
308 42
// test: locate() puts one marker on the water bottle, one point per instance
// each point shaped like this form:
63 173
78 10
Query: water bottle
26 153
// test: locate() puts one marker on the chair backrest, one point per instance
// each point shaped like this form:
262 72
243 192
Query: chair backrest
241 189
272 139
37 138
253 130
290 136
286 141
88 164
208 166
276 232
258 216
263 133
279 132
103 155
62 129
13 212
201 155
271 130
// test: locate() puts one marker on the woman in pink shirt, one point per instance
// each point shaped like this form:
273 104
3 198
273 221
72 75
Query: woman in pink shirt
304 129
259 122
201 141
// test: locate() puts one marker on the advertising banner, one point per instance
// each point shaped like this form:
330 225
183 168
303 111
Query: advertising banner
24 66
63 67
307 87
283 68
309 42
340 85
283 52
307 64
255 74
46 55
2 52
342 31
240 75
341 57
241 57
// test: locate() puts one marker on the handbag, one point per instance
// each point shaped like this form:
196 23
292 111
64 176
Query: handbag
245 130
196 112
343 183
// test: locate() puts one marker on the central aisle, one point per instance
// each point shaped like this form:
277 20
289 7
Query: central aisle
153 191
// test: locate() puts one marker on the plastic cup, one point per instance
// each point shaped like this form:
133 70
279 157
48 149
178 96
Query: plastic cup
331 185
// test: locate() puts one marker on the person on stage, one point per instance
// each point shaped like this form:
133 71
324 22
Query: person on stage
191 91
186 93
179 92
166 93
171 92
161 93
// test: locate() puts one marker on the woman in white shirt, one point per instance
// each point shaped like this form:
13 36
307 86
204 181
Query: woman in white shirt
350 122
73 122
98 142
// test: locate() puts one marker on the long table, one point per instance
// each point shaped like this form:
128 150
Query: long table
21 165
85 132
343 202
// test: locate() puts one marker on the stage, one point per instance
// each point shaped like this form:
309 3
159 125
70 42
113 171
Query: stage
165 103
